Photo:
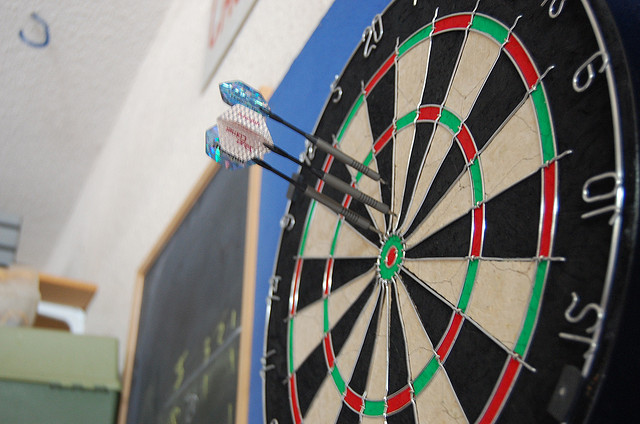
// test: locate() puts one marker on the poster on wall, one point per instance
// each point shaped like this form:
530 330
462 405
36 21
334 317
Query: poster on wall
227 17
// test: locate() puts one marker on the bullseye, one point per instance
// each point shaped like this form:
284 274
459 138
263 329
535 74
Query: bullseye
392 254
390 257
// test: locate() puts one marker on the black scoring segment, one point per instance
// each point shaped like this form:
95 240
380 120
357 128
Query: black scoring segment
445 49
309 376
512 221
473 366
452 241
404 416
434 313
347 415
312 274
451 168
398 367
423 135
380 103
358 382
342 329
346 270
499 98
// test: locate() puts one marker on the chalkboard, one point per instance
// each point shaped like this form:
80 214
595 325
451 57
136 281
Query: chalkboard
189 351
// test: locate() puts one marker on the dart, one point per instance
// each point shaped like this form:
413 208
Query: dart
234 158
258 142
237 92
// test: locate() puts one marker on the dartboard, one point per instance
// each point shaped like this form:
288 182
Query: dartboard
505 137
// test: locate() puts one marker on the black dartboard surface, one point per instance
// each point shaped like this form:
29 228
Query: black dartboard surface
506 136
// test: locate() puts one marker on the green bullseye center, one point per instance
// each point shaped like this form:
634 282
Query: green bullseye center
390 257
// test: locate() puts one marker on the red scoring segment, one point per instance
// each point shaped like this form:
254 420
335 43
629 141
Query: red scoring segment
467 143
452 22
428 113
452 333
399 400
296 281
384 139
293 393
353 400
516 50
549 209
328 351
383 70
478 230
501 393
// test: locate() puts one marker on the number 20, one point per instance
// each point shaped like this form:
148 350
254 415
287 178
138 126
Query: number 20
375 32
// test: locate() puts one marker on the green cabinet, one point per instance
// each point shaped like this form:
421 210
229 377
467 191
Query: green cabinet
50 376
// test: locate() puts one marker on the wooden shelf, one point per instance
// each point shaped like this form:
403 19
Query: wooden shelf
65 291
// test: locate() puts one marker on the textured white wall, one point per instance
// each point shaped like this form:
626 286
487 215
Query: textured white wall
59 102
155 153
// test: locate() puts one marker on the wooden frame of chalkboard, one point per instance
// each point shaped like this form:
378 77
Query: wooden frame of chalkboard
189 348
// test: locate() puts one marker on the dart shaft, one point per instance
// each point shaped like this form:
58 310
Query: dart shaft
346 159
336 207
327 148
335 182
